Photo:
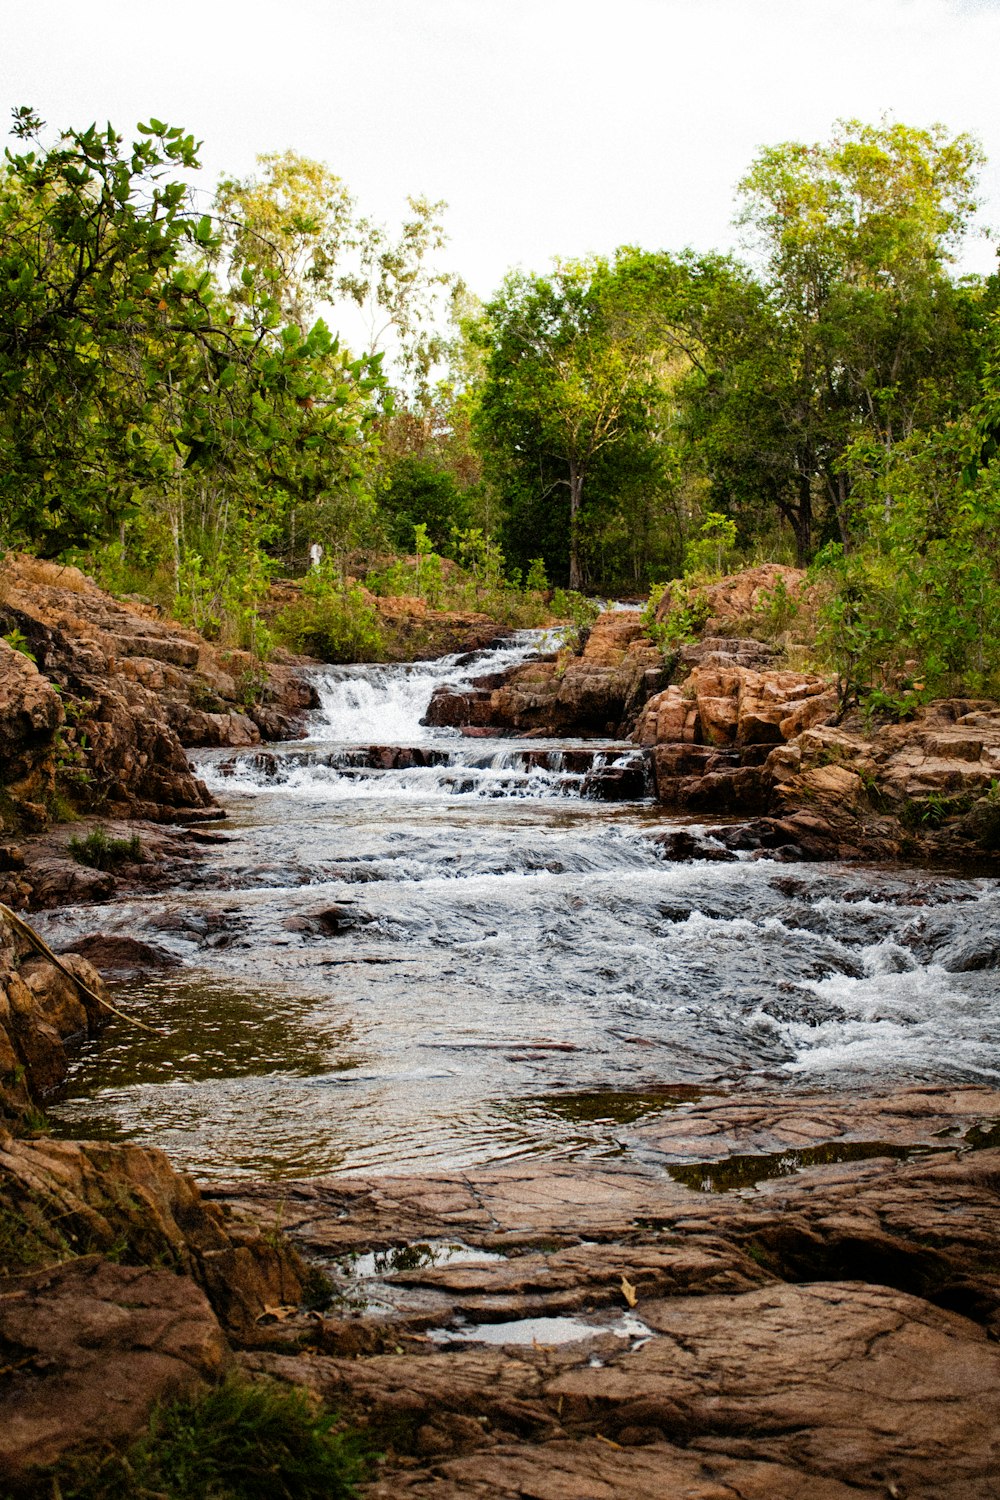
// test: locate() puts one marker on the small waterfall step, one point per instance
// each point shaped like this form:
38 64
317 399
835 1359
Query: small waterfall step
609 773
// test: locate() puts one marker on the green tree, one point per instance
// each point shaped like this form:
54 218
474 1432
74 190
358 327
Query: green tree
862 328
571 381
133 386
295 225
419 492
94 273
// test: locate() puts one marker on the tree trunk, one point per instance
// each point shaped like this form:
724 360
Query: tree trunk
803 522
575 493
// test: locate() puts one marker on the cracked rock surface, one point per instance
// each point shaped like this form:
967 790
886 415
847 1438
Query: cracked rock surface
829 1332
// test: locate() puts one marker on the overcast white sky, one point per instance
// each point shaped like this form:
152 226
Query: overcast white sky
551 127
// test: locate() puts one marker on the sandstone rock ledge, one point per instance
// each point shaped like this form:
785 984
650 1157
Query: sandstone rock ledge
100 703
119 1285
831 1333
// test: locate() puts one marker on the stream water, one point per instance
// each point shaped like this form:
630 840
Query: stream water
460 958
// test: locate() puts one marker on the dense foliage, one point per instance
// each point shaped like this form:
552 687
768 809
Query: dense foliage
175 411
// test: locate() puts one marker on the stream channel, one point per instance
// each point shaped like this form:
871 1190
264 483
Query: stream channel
466 960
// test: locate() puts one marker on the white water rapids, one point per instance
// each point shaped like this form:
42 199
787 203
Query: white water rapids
440 963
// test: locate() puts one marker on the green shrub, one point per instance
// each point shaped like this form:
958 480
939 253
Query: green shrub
914 607
708 555
582 613
537 579
235 1442
335 623
102 852
685 619
18 641
775 610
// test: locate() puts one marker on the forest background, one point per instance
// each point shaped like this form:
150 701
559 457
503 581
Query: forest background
178 416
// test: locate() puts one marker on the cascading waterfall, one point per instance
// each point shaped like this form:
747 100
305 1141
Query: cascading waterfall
417 950
381 705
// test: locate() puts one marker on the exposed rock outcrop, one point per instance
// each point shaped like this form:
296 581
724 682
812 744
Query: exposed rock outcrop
741 595
587 694
829 1332
119 1283
102 708
40 1011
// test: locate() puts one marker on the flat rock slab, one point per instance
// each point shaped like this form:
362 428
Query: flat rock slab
94 1346
594 1470
832 1389
718 1127
828 1333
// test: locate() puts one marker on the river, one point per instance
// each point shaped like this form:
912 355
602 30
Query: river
462 959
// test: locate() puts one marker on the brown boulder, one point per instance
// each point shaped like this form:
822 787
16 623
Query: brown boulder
78 1198
30 714
41 1009
741 594
96 1346
591 693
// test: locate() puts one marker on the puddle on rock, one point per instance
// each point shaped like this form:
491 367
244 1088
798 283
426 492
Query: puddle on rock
730 1173
528 1331
616 1106
414 1257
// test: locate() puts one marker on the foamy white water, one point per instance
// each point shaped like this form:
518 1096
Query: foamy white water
383 705
416 947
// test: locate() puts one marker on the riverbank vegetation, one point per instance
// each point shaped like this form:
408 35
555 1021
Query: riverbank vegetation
178 416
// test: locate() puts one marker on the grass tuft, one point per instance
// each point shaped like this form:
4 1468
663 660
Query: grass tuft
236 1441
102 852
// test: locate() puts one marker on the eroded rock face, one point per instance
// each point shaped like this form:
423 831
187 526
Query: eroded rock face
40 1011
97 1346
734 705
133 692
734 739
589 694
78 1198
741 594
30 715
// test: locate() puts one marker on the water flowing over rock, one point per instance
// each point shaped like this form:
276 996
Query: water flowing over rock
681 1209
589 694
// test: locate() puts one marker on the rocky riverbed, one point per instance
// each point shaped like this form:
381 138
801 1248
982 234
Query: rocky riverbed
563 1111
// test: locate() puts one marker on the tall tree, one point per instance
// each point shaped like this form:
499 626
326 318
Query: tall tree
571 378
128 379
864 328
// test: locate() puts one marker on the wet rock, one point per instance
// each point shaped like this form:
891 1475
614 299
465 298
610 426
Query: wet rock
618 783
96 1346
453 708
589 694
41 1009
683 844
830 1333
973 954
330 922
123 956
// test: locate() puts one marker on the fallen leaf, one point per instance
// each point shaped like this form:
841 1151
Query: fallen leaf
280 1314
629 1292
